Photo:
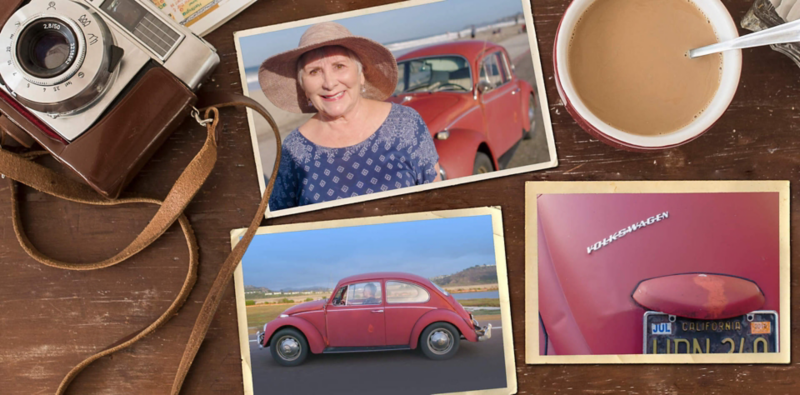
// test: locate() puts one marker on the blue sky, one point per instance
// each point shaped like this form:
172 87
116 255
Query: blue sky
391 26
322 257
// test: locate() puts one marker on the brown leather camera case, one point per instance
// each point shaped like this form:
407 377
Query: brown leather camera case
109 155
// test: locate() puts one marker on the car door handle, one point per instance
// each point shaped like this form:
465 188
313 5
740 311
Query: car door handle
377 311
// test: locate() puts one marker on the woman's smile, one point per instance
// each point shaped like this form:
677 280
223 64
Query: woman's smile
333 97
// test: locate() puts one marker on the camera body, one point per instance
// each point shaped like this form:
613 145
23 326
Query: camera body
99 83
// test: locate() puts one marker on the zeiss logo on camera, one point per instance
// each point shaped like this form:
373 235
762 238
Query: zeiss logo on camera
664 328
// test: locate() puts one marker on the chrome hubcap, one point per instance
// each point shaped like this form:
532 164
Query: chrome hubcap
440 341
288 348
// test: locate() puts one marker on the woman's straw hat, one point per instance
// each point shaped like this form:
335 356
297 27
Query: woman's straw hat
278 74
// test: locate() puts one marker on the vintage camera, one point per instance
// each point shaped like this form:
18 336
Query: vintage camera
98 83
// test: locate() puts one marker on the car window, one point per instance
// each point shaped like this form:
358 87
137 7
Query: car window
505 68
339 298
440 289
400 292
368 293
401 78
492 71
434 74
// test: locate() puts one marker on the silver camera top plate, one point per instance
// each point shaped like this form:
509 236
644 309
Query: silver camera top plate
55 102
188 57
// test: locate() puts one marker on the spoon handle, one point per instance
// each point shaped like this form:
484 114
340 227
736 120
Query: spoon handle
784 33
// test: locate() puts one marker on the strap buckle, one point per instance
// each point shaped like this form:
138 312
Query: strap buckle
196 114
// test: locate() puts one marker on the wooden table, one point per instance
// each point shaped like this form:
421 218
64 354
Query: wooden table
52 319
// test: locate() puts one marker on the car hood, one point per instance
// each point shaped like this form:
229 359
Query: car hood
437 109
588 288
460 310
307 306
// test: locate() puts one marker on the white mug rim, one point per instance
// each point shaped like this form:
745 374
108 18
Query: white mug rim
724 28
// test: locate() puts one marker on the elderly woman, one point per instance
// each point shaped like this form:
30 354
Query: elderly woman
356 143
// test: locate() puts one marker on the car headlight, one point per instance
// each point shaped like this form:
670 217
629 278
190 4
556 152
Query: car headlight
284 315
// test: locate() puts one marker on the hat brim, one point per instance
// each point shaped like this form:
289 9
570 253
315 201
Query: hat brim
277 75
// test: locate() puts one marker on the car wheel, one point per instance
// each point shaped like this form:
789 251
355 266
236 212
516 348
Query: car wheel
289 347
527 135
483 164
439 341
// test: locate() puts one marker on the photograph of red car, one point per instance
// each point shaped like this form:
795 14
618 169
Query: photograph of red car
416 313
470 97
690 272
422 296
468 71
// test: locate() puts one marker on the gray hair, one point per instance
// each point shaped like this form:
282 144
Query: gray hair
321 52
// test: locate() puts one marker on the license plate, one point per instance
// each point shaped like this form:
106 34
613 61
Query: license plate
755 332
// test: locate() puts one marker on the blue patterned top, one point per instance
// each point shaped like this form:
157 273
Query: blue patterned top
399 154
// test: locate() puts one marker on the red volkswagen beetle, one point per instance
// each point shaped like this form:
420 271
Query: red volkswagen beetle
373 312
658 273
474 105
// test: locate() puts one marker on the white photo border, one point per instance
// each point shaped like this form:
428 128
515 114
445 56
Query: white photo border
500 262
535 188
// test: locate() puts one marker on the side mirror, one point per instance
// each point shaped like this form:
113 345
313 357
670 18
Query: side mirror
481 87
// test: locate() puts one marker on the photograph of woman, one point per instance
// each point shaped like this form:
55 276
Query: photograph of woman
356 143
395 99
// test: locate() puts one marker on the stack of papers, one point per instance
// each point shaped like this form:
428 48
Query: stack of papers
202 16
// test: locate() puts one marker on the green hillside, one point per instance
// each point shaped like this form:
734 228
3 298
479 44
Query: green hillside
476 275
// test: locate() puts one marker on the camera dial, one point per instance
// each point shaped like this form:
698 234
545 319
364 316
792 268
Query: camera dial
56 56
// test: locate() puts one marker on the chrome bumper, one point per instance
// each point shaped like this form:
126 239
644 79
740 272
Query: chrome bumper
484 333
260 339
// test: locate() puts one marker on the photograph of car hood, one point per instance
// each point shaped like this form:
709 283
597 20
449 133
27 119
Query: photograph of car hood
304 307
601 247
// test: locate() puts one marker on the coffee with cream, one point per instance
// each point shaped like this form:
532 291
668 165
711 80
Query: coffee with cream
628 63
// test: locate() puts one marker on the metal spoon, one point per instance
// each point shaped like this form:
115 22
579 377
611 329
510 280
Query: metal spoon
784 33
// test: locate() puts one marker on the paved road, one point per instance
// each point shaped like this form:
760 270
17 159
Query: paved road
534 150
516 46
475 366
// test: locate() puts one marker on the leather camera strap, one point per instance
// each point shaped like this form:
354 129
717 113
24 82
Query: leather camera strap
225 274
21 168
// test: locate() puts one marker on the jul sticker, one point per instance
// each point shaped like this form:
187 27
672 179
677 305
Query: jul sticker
664 328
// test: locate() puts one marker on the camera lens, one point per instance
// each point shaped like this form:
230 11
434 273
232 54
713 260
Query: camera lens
46 48
51 51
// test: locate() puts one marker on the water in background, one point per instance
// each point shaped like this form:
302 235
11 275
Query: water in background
477 295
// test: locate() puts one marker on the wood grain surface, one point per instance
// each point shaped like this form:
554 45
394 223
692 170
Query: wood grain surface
51 319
